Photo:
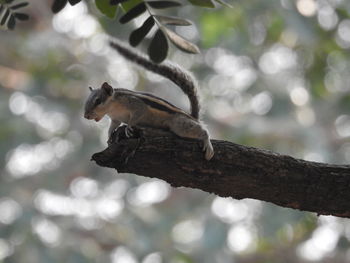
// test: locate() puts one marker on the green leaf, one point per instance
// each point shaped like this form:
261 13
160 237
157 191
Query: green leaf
158 49
116 2
129 4
106 8
172 20
202 3
133 13
139 34
162 4
180 42
11 23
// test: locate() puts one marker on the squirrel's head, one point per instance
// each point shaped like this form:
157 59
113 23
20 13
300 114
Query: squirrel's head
96 104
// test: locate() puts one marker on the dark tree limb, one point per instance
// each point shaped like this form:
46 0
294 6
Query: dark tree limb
235 170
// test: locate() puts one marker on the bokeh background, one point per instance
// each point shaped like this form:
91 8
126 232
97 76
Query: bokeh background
272 74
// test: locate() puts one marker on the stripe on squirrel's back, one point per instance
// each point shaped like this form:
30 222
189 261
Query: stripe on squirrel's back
153 101
158 98
160 104
157 106
173 73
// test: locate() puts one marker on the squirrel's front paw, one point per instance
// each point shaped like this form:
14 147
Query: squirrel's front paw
129 132
117 135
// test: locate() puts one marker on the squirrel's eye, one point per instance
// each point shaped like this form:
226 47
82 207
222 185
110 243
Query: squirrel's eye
97 101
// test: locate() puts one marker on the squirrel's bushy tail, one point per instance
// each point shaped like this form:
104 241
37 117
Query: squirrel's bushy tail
175 74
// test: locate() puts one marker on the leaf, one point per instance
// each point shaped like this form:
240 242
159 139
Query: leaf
4 18
1 7
11 23
172 20
224 3
129 4
139 34
180 42
106 8
158 49
133 13
74 2
203 3
162 4
58 5
116 2
20 5
21 16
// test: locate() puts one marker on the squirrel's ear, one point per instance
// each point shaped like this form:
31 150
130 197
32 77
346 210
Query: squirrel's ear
91 89
107 88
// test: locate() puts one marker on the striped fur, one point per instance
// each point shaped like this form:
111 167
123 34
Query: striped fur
173 73
153 101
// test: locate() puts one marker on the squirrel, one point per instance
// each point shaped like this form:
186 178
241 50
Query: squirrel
145 109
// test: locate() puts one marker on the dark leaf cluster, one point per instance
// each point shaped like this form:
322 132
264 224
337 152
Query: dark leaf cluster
9 14
58 5
158 48
208 3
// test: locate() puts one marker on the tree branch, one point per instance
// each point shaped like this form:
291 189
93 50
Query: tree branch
235 170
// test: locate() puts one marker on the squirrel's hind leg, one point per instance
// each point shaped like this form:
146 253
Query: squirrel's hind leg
185 127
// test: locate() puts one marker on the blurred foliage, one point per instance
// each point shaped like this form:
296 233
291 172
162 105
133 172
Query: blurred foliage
273 74
135 8
9 14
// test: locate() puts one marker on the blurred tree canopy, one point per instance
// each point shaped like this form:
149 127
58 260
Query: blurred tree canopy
273 74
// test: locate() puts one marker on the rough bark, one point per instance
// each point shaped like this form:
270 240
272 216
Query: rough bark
235 170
